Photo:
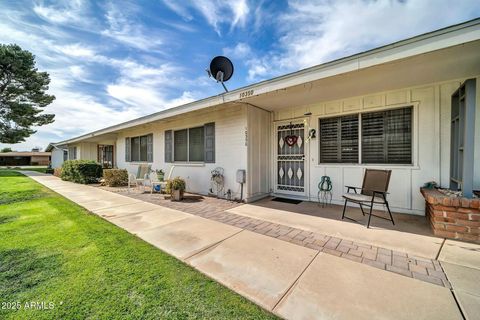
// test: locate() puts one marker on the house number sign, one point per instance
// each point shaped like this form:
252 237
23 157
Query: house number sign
246 94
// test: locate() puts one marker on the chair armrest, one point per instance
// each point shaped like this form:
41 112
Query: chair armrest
351 187
354 188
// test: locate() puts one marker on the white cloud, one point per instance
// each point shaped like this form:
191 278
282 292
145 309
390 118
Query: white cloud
240 51
125 87
74 13
76 50
123 28
314 32
216 12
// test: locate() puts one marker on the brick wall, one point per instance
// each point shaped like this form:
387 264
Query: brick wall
453 217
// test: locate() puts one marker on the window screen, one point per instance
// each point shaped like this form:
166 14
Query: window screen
143 148
180 145
387 136
339 139
135 149
196 144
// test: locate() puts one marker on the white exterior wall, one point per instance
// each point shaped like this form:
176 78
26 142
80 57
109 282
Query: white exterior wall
57 158
230 147
431 143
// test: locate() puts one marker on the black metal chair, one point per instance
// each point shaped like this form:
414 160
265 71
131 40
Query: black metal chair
373 191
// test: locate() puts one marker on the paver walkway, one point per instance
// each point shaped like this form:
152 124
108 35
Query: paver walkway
291 280
406 264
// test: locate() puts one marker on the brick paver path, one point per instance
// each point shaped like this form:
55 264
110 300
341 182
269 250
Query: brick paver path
423 269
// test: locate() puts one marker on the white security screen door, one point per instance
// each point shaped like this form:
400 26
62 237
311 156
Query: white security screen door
290 159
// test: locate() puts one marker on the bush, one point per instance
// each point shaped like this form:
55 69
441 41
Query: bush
57 172
81 171
176 184
115 177
49 171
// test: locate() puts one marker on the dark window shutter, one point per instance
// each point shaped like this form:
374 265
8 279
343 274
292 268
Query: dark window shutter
150 148
168 146
127 150
339 139
209 142
387 136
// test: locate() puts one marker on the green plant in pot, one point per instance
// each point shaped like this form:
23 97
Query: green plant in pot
160 174
176 187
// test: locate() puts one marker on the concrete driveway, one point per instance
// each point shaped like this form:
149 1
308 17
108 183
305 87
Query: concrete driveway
292 281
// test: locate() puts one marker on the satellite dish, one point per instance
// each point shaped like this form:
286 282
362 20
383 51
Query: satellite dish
221 69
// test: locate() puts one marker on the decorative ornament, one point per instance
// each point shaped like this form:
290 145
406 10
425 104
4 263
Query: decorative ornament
291 139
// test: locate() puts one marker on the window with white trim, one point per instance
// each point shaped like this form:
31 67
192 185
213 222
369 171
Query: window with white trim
383 137
139 149
189 145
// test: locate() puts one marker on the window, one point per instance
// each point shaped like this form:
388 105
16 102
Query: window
339 140
196 144
385 137
191 145
188 144
139 149
180 145
72 153
65 155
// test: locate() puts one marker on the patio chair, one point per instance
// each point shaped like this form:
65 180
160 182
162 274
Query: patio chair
373 191
163 184
141 177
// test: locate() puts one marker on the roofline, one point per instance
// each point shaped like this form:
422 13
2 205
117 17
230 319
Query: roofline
335 67
25 153
53 145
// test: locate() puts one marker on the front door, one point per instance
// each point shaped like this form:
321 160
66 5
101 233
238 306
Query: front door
290 159
105 155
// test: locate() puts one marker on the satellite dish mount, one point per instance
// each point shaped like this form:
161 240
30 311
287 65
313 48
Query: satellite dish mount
221 69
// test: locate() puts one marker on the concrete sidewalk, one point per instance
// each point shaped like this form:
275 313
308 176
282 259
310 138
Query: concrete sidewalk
292 281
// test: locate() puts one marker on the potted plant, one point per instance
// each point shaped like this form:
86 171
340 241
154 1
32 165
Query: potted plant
176 188
160 174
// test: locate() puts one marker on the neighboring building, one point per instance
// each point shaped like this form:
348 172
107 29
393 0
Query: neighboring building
390 107
24 158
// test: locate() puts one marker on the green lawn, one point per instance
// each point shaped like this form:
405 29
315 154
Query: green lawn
53 251
37 169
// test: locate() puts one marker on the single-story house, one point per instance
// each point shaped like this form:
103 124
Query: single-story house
24 158
411 106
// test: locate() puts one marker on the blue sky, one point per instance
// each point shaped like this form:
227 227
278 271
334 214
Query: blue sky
112 61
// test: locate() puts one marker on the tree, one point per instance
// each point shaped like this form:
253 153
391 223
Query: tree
7 149
22 94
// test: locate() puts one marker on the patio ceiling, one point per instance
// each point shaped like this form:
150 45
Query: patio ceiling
451 63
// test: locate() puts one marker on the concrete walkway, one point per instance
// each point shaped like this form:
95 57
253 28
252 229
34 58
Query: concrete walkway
292 281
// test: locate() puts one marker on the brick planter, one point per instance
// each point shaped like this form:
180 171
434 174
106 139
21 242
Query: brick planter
452 217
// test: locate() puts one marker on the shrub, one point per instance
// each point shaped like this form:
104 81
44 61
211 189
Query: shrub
176 184
81 171
115 177
57 172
